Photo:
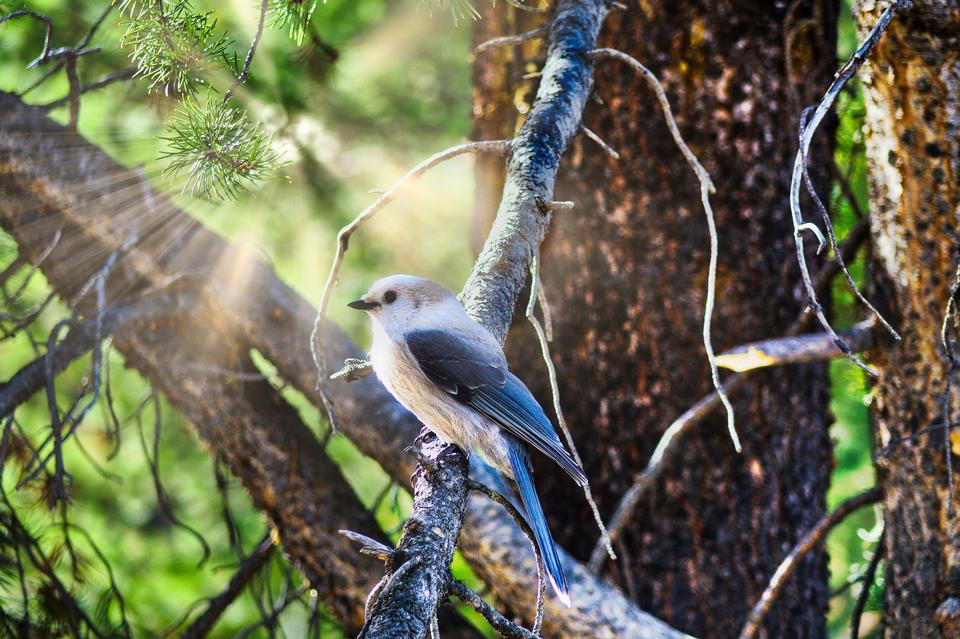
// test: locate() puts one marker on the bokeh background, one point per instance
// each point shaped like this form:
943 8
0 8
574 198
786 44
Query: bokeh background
388 86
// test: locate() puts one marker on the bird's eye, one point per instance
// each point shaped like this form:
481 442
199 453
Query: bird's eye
390 297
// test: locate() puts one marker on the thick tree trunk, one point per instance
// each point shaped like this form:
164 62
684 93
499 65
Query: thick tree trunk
912 89
626 274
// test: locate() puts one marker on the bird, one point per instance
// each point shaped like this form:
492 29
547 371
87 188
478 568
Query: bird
451 373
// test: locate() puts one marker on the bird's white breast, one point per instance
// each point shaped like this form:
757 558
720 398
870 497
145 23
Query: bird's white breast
450 420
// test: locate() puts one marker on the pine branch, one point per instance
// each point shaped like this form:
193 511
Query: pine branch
292 15
173 47
219 150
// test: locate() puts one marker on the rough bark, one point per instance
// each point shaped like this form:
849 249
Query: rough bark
406 600
625 273
491 293
55 179
912 92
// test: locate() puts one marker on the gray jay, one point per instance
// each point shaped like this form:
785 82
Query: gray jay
451 373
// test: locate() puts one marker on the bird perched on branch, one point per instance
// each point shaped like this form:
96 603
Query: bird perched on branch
452 374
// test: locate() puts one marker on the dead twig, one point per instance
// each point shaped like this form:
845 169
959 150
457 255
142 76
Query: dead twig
796 350
846 72
832 237
949 317
39 17
525 527
353 369
245 72
106 80
538 294
609 150
497 621
369 546
343 243
505 41
803 548
247 569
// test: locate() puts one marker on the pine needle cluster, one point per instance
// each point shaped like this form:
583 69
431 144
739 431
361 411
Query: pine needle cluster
221 153
173 47
293 15
179 51
460 9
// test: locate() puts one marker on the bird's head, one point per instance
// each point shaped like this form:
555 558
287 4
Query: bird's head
401 301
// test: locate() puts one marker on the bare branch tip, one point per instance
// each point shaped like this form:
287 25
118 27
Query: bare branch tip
353 370
369 546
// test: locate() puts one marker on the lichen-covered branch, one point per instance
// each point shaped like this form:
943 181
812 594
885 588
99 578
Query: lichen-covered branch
493 288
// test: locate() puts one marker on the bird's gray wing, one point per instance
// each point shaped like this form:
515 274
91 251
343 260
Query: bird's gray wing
480 380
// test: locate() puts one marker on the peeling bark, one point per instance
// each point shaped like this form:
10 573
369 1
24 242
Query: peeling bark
912 92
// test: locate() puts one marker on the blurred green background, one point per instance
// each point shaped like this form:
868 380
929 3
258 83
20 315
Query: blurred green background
399 91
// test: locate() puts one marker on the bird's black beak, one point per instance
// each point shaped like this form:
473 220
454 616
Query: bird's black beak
363 305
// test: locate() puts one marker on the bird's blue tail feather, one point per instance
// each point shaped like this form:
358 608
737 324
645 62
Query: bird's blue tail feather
520 463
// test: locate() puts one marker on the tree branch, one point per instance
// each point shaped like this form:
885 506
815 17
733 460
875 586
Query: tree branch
792 561
248 569
501 624
814 347
868 576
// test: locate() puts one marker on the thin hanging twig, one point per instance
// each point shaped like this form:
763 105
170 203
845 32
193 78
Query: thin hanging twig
846 72
537 293
706 188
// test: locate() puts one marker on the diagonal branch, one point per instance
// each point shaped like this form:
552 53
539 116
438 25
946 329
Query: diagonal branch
791 562
60 179
248 569
780 351
81 339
